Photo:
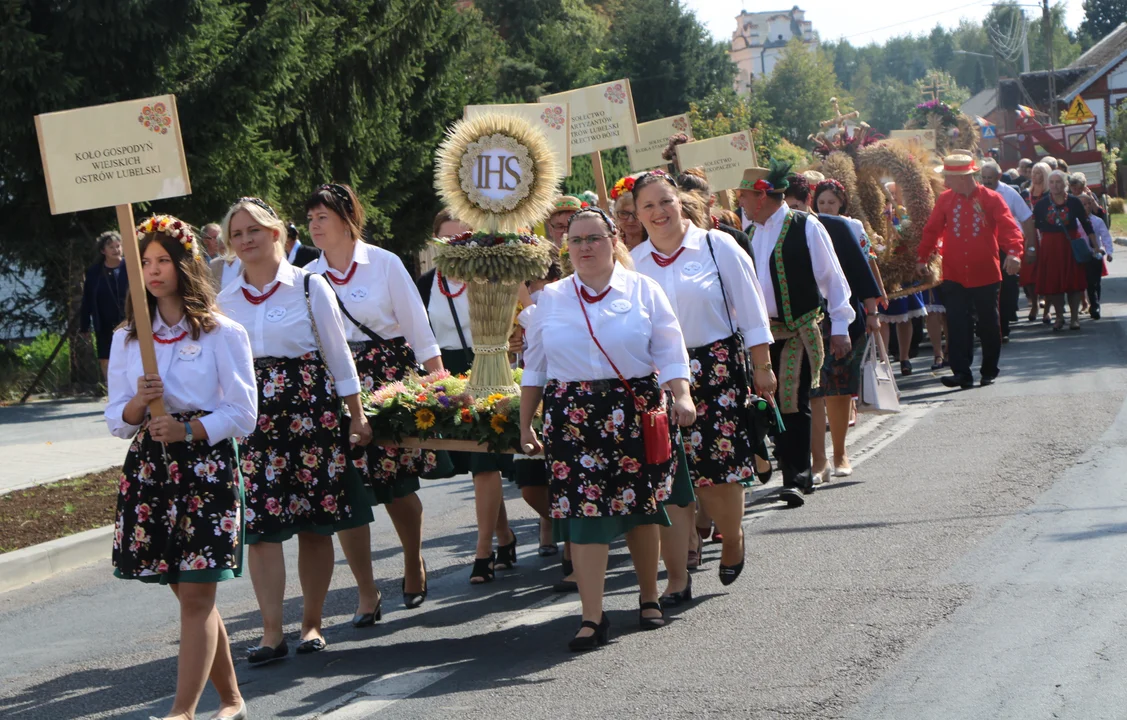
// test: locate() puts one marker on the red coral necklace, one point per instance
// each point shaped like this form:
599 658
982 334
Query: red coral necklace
169 341
667 261
444 286
347 276
259 299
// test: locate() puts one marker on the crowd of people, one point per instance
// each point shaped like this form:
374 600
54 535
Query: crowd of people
674 347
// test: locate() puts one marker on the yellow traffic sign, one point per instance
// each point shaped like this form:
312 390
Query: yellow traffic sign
1079 112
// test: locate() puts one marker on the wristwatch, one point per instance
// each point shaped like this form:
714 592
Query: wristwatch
764 366
187 432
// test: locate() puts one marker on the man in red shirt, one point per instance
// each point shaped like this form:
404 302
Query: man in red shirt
975 226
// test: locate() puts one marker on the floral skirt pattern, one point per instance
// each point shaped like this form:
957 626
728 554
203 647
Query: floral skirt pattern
718 444
389 472
595 453
180 522
295 470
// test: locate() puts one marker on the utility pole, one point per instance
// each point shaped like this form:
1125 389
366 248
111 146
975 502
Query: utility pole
1047 35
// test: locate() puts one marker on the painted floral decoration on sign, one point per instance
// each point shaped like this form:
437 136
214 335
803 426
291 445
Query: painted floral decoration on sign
553 117
156 118
616 93
681 124
739 142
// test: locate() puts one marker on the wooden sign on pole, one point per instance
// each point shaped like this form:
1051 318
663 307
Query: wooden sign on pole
722 158
602 118
654 138
116 155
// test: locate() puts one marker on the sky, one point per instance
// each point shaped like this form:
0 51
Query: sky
864 22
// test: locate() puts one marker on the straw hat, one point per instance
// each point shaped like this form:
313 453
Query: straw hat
957 164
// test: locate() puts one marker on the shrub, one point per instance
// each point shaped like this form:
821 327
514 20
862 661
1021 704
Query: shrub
1115 206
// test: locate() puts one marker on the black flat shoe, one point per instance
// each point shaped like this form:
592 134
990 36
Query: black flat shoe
264 654
986 381
548 550
650 623
905 368
960 381
363 620
792 497
412 601
506 555
600 637
566 586
730 573
678 599
483 569
313 645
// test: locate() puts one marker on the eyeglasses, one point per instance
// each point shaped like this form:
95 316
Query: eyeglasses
626 216
558 227
586 239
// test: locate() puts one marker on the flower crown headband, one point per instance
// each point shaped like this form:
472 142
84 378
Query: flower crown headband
173 228
594 210
829 184
260 203
623 186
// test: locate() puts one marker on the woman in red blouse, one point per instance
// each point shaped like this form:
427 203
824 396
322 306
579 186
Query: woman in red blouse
1038 186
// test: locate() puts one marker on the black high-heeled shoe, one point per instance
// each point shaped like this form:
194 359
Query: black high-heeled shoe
483 568
729 573
506 555
600 637
363 620
677 599
265 654
566 586
650 623
412 601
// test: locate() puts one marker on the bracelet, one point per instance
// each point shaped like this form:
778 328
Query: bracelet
187 432
764 366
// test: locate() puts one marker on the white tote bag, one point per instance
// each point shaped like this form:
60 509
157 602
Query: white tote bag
879 393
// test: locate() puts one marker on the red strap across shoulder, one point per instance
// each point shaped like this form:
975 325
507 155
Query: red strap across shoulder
582 306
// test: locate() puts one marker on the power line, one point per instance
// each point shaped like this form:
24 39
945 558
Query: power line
908 22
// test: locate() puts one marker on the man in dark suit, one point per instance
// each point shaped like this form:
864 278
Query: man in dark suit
298 254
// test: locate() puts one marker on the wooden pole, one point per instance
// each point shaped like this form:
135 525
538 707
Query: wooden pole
139 297
725 201
600 180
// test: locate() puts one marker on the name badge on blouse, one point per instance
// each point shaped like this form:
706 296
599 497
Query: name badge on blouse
276 314
358 294
621 305
189 352
690 268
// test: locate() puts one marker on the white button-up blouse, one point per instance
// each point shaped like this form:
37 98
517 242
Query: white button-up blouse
692 285
214 374
382 295
281 328
634 323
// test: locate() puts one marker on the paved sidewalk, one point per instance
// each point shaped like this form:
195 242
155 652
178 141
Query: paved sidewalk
46 441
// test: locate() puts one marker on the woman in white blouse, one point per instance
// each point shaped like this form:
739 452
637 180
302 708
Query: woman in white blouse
389 334
596 341
723 316
180 510
295 465
448 308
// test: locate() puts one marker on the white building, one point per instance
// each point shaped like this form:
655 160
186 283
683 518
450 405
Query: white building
761 37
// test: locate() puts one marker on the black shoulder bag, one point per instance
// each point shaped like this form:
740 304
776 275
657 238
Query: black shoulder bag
761 421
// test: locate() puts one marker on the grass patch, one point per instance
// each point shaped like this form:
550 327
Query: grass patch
1118 224
47 512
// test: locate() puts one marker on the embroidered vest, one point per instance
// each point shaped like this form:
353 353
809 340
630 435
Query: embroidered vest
792 271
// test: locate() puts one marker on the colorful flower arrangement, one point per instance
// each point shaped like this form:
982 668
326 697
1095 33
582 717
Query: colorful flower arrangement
172 227
440 406
624 185
954 130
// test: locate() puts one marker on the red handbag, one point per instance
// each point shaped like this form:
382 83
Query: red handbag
655 423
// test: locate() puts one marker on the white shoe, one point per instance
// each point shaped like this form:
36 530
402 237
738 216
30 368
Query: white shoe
821 478
843 472
240 715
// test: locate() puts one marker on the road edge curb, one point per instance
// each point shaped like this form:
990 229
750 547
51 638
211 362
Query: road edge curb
60 478
25 566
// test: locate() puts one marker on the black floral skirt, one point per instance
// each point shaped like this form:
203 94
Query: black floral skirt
718 444
296 474
180 522
600 485
389 472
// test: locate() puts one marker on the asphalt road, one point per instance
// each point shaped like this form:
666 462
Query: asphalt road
971 568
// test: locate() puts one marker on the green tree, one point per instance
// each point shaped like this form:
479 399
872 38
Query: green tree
1102 16
887 105
953 95
723 112
799 91
668 55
